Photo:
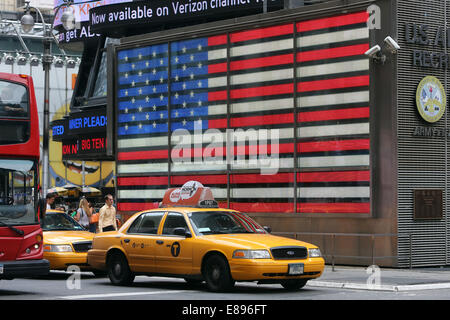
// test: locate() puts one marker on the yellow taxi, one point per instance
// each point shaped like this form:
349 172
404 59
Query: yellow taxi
190 237
66 242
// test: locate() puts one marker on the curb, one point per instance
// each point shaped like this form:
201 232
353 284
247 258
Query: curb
375 287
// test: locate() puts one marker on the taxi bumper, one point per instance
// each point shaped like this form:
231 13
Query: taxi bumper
265 269
61 260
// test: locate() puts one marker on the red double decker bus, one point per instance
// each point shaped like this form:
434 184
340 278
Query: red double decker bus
21 238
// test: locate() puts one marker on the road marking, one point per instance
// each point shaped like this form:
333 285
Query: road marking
119 294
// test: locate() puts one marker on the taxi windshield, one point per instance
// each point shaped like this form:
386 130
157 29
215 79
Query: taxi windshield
56 221
223 222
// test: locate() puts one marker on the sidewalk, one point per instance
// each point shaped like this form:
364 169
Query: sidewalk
383 279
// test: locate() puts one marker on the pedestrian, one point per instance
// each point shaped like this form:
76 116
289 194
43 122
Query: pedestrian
107 218
93 220
83 213
50 198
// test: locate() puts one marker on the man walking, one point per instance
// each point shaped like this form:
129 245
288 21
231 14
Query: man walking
107 215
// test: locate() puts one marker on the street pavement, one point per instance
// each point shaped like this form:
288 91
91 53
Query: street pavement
383 279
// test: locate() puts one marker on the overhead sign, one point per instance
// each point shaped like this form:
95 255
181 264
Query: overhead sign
170 11
79 123
191 194
86 147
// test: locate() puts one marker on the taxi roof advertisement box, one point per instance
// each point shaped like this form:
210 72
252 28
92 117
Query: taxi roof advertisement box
191 194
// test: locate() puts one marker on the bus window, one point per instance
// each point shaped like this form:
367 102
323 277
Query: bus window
13 100
17 191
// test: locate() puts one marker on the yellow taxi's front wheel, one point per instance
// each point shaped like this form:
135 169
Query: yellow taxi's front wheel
118 270
294 284
217 273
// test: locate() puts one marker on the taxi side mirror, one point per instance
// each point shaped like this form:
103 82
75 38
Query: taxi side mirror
182 232
268 229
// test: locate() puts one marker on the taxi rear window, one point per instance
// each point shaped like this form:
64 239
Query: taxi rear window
146 223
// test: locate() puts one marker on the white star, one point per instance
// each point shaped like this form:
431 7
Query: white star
140 90
140 108
126 75
176 114
126 58
191 57
126 110
199 103
133 66
199 84
154 124
184 67
154 89
140 125
154 107
199 65
147 116
133 100
177 78
161 115
147 81
192 76
184 49
176 59
199 47
132 83
176 95
184 85
126 92
126 127
161 97
154 54
192 112
133 117
184 104
147 99
192 93
184 122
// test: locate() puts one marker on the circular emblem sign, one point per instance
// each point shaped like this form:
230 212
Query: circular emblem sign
431 99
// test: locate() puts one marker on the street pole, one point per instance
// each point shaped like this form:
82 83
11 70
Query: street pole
47 60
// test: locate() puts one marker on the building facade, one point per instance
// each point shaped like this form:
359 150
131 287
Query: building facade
326 122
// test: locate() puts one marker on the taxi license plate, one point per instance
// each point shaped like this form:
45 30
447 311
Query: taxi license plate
295 268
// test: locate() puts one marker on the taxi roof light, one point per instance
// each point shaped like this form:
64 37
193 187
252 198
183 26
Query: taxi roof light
191 194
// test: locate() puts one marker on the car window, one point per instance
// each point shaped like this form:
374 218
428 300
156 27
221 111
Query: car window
59 221
174 220
146 223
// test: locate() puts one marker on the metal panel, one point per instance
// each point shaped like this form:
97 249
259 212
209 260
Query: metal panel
422 161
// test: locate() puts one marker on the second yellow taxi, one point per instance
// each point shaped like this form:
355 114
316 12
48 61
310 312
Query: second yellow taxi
66 242
190 237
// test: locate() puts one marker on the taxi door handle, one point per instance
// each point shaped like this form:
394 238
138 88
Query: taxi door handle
159 241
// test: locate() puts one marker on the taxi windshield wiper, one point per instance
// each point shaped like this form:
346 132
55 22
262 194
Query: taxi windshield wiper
18 231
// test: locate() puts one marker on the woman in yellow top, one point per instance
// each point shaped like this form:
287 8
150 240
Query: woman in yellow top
107 215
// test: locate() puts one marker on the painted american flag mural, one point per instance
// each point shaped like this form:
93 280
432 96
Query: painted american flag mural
227 102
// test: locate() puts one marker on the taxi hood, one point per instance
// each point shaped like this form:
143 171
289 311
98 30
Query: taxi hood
63 237
255 240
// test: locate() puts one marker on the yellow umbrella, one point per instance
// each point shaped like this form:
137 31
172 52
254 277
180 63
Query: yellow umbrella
57 190
90 190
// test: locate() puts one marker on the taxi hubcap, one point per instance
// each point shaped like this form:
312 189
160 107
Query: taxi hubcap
117 269
215 272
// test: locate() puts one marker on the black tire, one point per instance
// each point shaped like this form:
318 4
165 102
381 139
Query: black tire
294 284
118 270
217 274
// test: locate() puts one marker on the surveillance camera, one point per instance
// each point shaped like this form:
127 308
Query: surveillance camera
373 52
391 44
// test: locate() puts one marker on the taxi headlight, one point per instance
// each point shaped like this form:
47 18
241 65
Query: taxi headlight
58 248
251 254
314 253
